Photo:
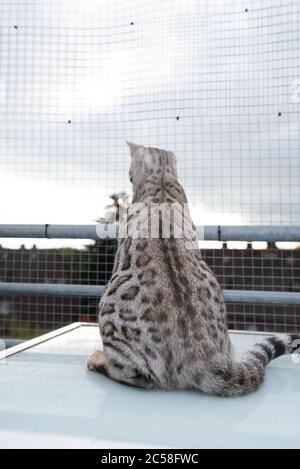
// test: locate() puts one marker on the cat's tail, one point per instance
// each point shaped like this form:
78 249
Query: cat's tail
227 377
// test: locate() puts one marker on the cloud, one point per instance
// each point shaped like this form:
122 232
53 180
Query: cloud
126 72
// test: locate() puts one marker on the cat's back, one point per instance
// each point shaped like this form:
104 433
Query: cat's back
166 289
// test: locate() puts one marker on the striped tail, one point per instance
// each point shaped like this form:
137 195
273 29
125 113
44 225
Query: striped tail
227 377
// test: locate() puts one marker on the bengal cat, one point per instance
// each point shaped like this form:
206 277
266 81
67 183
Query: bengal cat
163 316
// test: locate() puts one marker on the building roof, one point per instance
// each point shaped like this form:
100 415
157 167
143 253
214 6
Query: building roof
49 399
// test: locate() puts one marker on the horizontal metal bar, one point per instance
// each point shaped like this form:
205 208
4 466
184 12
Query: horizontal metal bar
270 233
49 231
50 289
261 297
12 342
95 291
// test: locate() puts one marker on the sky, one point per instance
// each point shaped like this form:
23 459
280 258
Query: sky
216 84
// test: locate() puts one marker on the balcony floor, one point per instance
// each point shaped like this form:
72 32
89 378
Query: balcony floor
49 399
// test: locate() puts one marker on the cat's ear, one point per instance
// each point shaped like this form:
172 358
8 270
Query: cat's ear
133 147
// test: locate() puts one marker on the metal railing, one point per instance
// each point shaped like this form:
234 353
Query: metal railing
95 291
221 233
249 233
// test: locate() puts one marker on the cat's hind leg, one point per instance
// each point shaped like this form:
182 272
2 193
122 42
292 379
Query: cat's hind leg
122 373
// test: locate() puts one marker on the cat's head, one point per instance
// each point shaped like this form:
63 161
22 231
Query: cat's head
149 163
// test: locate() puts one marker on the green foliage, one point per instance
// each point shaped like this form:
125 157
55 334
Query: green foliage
24 330
93 264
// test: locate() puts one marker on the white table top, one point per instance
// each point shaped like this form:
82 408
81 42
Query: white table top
49 399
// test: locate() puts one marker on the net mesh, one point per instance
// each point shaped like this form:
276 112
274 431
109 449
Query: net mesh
215 81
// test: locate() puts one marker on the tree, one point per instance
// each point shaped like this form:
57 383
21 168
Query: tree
93 264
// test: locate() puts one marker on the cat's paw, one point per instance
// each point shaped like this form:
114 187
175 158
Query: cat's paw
96 362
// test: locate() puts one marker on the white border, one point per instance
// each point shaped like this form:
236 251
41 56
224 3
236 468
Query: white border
43 338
